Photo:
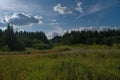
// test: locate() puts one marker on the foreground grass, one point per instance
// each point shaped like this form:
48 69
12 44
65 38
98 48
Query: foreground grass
76 64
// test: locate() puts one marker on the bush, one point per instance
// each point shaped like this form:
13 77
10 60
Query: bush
42 46
116 46
6 48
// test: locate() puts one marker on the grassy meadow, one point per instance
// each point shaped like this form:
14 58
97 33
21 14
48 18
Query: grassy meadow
78 62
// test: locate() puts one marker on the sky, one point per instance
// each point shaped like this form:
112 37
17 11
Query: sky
55 17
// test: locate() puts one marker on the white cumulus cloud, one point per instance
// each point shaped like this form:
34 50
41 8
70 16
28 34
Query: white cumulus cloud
20 19
53 34
62 9
79 8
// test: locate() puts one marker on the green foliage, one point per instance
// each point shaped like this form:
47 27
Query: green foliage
36 40
18 41
116 46
107 37
11 41
6 48
42 46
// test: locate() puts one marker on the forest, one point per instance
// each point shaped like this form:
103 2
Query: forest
105 37
11 40
18 41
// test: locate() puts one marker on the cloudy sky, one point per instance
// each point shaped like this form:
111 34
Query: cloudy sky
57 16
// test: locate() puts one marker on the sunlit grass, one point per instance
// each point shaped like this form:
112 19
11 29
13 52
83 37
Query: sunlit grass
78 64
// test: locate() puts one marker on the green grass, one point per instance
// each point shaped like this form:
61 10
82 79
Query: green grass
62 63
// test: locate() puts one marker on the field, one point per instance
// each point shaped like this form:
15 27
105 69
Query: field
62 63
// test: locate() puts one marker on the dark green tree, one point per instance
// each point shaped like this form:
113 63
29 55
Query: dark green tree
11 41
106 37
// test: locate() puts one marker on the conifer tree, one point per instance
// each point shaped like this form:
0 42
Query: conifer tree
11 41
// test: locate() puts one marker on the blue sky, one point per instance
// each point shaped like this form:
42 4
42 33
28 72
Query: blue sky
57 16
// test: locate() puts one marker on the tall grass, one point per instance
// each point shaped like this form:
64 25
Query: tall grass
71 65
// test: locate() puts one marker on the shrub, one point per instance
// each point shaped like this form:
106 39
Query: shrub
6 48
42 46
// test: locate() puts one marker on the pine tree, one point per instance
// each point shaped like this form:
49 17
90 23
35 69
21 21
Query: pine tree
11 41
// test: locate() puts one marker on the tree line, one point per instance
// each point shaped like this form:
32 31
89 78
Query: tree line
18 41
106 37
